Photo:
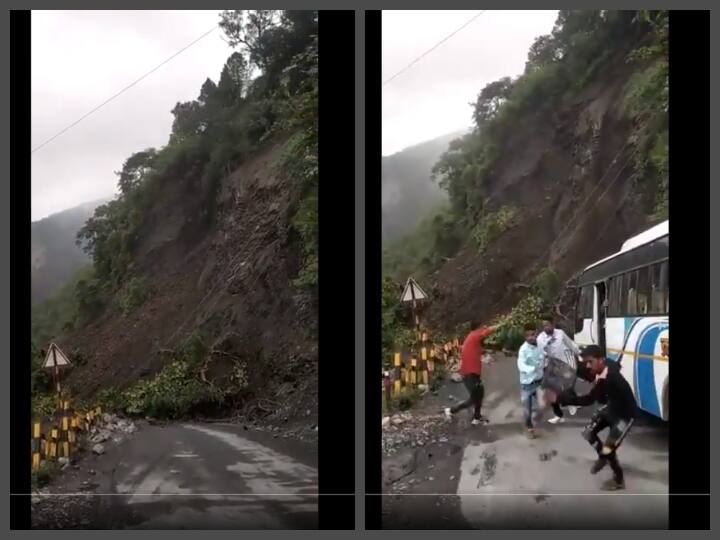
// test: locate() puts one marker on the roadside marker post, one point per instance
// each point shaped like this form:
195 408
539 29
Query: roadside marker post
413 293
36 446
53 454
55 360
397 371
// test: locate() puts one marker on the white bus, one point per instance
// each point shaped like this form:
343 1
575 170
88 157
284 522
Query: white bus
623 306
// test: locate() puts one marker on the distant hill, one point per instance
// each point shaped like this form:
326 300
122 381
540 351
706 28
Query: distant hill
408 193
55 257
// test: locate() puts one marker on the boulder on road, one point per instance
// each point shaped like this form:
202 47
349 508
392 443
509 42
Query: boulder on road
98 449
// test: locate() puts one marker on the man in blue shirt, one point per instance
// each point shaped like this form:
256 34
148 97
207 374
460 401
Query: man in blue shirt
530 365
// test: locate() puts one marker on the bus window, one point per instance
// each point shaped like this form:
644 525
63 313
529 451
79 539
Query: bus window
587 301
631 294
659 291
584 307
615 296
643 291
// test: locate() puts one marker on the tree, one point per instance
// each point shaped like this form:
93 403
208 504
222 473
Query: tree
254 30
187 120
135 169
543 51
208 93
491 99
234 79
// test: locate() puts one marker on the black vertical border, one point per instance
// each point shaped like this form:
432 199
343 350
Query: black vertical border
373 267
689 142
336 255
20 271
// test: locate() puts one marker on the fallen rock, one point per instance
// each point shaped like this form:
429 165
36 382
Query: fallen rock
385 421
102 436
98 449
63 461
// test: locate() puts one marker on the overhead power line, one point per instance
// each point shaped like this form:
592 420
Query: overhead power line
431 49
76 122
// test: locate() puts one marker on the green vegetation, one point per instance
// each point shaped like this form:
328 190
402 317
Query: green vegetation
529 311
41 477
397 331
409 395
492 225
646 102
547 285
43 405
173 393
437 237
178 390
133 293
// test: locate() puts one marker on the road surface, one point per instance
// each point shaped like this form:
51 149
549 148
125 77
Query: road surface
500 479
192 476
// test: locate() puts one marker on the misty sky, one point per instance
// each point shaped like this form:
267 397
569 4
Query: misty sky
432 97
81 58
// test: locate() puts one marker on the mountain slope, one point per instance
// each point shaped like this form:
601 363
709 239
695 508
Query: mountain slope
202 295
567 161
408 192
55 257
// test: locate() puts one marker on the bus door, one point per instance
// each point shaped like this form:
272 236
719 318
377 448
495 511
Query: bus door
601 295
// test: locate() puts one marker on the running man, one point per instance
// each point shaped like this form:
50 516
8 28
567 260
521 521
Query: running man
471 369
617 412
530 365
556 343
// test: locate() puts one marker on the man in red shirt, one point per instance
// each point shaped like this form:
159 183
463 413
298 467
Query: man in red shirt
470 369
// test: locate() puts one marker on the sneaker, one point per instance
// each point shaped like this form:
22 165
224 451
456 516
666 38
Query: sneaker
556 420
448 413
481 420
612 485
572 409
531 433
598 466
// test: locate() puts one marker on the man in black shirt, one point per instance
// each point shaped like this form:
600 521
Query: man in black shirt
617 411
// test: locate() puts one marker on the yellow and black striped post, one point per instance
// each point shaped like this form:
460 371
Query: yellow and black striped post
397 385
431 361
413 371
36 446
72 432
53 446
64 435
424 356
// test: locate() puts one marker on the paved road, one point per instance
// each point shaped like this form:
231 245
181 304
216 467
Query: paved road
503 480
202 476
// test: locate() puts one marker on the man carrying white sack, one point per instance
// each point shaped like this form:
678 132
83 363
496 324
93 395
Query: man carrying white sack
556 343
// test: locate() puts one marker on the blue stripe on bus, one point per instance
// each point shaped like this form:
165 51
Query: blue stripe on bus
645 383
